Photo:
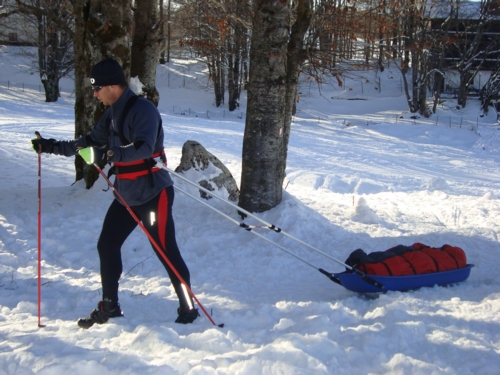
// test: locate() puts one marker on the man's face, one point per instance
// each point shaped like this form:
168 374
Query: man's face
107 95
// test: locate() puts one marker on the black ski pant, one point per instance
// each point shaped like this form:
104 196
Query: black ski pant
156 216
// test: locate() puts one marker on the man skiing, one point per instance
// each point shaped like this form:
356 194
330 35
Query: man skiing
130 135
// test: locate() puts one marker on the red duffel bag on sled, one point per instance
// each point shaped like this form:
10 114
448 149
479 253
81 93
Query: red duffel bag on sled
405 267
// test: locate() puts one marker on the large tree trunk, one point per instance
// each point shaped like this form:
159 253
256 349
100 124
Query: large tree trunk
102 29
262 171
146 47
274 65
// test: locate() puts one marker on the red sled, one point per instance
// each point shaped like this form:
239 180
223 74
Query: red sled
404 268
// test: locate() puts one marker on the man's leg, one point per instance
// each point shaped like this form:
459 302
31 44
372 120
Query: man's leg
117 225
159 222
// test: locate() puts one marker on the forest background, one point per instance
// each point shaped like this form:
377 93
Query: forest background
263 47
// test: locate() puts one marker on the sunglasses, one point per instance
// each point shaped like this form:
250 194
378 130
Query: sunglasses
96 88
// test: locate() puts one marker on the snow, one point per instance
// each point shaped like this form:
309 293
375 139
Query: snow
355 179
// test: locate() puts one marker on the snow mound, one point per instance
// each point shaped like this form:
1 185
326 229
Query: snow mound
436 183
363 213
488 196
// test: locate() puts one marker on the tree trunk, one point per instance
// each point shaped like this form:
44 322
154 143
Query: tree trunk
262 171
51 83
463 88
466 77
48 44
423 83
437 89
222 77
51 87
102 29
165 53
415 62
406 89
381 41
233 72
232 82
490 92
297 54
438 76
146 47
216 74
169 32
274 65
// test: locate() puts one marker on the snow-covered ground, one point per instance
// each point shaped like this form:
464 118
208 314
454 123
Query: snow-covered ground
360 174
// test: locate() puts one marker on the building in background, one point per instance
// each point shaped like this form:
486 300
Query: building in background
16 29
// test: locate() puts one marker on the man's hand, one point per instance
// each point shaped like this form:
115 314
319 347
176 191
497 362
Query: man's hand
43 145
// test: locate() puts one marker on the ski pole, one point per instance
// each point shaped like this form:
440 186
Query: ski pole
240 225
275 229
330 275
39 266
155 244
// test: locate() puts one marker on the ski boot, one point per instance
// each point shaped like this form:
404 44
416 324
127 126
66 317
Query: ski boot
102 314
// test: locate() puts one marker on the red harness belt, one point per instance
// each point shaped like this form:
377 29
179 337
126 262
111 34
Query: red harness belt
132 170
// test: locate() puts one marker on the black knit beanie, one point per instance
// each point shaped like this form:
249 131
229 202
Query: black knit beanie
107 72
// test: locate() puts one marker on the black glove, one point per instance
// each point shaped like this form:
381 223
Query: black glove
43 145
100 155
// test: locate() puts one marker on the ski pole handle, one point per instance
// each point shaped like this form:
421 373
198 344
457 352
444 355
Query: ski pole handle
39 137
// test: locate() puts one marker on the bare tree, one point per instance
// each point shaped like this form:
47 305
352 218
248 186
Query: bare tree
102 29
439 20
147 44
470 22
276 54
217 31
55 47
411 48
333 33
50 24
490 92
237 48
206 28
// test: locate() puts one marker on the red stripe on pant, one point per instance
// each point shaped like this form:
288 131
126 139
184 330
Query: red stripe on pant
162 219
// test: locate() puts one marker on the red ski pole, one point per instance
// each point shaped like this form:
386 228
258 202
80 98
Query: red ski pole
39 230
157 247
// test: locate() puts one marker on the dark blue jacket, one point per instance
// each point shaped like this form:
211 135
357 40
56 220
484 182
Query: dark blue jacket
142 127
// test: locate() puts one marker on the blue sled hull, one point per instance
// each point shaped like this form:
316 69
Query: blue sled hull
355 283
